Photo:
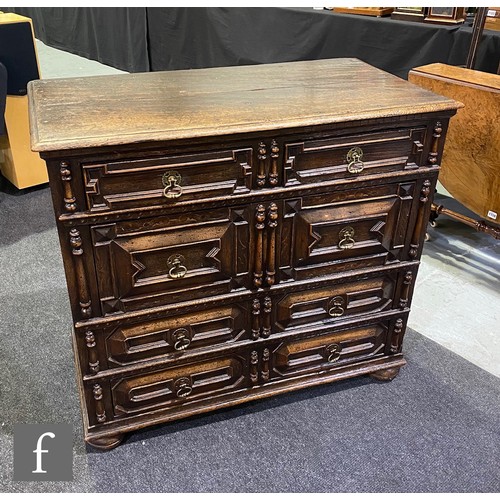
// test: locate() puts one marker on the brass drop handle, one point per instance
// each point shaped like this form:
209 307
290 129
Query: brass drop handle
183 387
333 352
346 237
177 268
181 339
172 183
336 308
354 163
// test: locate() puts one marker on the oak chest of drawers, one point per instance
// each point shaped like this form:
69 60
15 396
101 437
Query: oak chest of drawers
235 233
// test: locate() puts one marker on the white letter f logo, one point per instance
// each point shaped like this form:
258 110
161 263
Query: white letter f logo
39 452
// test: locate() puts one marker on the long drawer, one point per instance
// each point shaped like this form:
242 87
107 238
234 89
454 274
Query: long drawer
178 386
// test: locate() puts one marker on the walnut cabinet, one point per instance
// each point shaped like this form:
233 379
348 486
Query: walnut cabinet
235 233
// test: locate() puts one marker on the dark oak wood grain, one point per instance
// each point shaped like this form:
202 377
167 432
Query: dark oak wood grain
235 233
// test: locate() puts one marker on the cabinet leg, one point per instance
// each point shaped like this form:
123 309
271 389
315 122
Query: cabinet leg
107 442
385 375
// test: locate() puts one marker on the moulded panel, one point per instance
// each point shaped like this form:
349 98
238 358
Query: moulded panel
345 230
177 385
145 182
163 260
323 160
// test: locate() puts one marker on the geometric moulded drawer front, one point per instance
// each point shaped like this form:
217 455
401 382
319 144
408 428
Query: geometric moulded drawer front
165 181
345 230
177 385
164 260
328 351
323 160
334 303
175 335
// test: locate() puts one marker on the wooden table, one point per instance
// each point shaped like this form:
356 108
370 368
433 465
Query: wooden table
471 164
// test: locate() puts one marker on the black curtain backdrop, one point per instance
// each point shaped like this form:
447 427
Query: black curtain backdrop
153 39
116 36
204 37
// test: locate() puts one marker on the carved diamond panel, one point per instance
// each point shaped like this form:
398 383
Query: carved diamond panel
161 260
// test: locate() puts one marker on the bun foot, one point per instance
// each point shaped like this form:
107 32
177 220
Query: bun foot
106 442
385 375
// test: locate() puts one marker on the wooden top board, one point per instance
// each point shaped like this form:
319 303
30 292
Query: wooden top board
160 106
464 75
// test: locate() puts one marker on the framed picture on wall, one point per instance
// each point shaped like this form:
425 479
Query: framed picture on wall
410 13
445 15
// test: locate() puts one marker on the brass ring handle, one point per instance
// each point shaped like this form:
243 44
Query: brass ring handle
172 183
183 387
336 308
336 311
182 341
177 269
333 352
354 163
346 237
184 392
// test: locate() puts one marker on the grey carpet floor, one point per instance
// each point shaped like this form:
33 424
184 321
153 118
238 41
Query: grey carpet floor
435 428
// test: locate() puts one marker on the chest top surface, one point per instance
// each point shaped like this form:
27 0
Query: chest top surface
73 113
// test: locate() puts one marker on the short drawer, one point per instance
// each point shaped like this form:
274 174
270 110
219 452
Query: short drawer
330 349
179 385
163 260
330 304
353 156
172 336
167 180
